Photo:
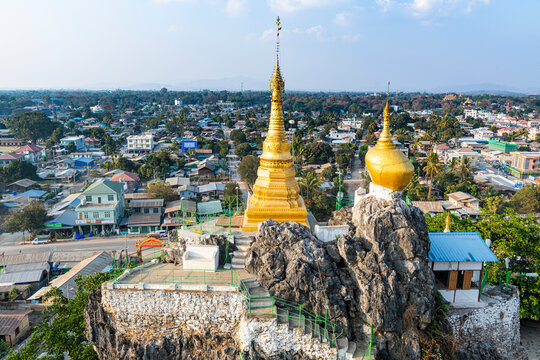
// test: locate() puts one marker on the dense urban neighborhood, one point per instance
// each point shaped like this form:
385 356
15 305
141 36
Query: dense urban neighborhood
94 182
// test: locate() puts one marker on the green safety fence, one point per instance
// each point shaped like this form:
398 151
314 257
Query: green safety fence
317 325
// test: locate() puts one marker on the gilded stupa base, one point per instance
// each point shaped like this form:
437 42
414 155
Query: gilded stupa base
254 216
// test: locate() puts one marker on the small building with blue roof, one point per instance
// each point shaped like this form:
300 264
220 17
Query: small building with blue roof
457 260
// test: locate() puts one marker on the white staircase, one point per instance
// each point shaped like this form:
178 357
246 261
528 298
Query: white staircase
242 242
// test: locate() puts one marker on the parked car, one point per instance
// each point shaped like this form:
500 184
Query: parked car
40 239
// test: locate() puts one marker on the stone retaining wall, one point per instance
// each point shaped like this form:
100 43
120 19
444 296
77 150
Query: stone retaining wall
164 311
496 323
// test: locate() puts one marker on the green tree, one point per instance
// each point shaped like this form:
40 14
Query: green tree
32 126
238 136
162 190
463 169
526 200
309 181
63 328
71 147
319 152
432 167
243 149
512 236
17 170
248 169
28 219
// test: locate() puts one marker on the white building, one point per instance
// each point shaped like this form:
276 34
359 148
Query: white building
79 141
355 123
138 143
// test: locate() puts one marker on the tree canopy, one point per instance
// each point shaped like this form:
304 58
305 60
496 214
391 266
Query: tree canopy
32 126
248 169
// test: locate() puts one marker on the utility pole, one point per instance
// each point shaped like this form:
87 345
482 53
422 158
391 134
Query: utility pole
339 194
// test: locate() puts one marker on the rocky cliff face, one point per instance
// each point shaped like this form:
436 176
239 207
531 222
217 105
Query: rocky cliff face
376 274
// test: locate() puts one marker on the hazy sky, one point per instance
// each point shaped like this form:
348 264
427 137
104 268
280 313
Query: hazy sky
325 44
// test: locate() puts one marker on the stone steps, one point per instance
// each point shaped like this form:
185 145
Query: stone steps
262 307
239 256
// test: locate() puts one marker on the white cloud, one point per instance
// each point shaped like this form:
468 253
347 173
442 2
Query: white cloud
174 28
343 19
268 34
351 38
289 6
236 7
317 31
431 8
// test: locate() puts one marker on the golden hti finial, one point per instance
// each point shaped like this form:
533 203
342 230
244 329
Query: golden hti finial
276 82
447 227
385 139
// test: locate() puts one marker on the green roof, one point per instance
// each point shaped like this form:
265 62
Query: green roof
104 187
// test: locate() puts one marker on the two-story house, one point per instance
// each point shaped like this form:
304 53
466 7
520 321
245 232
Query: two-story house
101 208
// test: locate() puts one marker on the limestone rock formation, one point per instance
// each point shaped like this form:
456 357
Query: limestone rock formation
377 274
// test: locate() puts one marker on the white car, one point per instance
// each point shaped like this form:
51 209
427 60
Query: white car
40 240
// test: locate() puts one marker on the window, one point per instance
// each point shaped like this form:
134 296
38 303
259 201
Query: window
86 215
110 197
17 330
80 216
89 198
95 215
107 214
99 199
146 210
156 210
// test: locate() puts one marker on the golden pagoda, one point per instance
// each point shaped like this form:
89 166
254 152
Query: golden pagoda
276 194
447 225
387 165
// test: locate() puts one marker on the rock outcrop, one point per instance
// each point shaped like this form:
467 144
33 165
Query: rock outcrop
377 274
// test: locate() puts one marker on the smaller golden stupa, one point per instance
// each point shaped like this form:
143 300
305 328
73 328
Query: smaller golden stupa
447 227
387 165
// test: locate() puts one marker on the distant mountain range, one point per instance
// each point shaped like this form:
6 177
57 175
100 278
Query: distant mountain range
246 83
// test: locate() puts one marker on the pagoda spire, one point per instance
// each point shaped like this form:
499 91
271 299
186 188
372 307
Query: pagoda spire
276 194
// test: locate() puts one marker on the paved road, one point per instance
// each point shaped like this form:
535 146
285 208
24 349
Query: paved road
352 184
530 338
105 244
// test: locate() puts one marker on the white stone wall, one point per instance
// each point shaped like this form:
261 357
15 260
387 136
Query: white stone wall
136 311
274 338
330 233
496 323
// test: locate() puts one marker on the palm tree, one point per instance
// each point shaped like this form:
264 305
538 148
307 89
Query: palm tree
462 168
310 180
433 167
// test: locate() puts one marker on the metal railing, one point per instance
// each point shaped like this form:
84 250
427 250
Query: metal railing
318 326
186 277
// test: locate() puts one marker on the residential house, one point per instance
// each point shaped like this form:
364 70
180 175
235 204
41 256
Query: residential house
14 325
22 185
140 143
180 212
79 141
6 159
187 191
211 190
32 153
461 153
145 216
129 179
101 207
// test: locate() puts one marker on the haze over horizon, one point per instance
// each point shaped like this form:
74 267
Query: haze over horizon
340 45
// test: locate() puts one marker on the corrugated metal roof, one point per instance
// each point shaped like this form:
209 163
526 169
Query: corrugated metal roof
144 219
146 203
44 266
38 257
209 208
89 266
459 246
11 319
21 277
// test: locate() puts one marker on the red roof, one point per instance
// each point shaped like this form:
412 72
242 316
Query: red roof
29 148
125 176
11 156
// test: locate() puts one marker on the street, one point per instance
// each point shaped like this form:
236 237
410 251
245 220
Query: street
8 247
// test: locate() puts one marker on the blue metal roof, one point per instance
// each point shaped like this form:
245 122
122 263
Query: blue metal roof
459 246
34 193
